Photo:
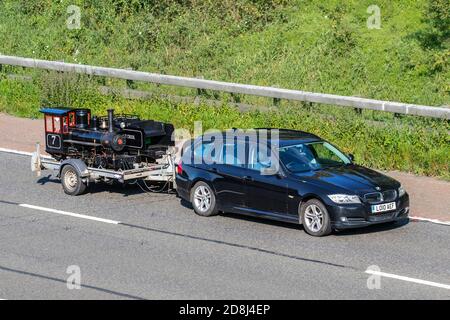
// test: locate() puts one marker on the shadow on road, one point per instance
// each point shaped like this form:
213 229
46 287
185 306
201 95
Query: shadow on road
372 229
365 230
125 190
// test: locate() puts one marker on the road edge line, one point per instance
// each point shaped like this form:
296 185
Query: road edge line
408 279
22 153
437 221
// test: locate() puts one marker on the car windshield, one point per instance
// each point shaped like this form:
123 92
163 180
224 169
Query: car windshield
311 156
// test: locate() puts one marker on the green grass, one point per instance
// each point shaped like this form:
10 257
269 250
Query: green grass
321 46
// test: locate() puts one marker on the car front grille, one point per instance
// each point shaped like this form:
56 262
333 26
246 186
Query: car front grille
377 197
389 195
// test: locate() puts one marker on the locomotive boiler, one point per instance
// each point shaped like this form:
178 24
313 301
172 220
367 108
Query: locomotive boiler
117 142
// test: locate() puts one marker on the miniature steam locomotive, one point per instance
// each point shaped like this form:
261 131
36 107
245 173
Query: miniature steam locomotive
88 149
116 142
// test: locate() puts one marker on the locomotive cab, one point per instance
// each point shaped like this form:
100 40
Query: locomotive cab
58 122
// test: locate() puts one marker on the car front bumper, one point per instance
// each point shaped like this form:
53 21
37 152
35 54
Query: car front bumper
360 215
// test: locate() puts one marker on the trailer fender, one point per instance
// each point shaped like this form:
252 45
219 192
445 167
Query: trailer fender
78 164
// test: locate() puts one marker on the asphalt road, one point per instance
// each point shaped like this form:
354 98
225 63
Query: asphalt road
162 250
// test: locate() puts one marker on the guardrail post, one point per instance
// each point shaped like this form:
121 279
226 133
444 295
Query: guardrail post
276 102
358 111
235 98
200 92
130 83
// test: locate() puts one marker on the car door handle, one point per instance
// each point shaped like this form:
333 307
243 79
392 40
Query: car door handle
248 178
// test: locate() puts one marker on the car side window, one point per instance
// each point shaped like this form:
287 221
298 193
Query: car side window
232 156
206 153
258 158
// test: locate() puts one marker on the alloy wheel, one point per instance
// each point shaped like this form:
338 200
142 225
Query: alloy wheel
313 218
202 198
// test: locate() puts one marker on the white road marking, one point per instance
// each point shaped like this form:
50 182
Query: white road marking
71 214
16 152
419 281
447 223
23 153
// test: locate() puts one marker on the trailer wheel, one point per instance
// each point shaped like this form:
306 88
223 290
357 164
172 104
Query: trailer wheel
71 181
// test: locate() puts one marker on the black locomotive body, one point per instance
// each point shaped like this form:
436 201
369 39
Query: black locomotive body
117 142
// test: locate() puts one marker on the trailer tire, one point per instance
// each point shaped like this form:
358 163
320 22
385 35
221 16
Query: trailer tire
71 181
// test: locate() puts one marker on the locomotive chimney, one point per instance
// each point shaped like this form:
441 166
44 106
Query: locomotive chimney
110 120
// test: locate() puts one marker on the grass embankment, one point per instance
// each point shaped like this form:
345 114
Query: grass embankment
308 45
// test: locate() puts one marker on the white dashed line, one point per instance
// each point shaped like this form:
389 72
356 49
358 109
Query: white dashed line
71 214
414 280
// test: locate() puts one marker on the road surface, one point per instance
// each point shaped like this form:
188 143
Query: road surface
129 244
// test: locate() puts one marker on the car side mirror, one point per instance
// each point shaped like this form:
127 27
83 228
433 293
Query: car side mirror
351 157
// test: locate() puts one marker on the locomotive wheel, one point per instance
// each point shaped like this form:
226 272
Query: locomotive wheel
71 181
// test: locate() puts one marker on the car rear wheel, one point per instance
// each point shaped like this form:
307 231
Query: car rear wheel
203 199
315 218
71 181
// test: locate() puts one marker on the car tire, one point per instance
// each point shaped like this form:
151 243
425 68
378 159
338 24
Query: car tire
315 218
203 200
71 181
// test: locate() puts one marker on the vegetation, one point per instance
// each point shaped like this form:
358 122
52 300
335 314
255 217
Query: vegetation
322 46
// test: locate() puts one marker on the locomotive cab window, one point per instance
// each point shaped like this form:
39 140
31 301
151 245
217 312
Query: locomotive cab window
57 124
65 125
72 119
53 124
48 123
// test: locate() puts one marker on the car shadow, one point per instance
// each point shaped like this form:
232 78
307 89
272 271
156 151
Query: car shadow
186 204
348 232
262 220
382 227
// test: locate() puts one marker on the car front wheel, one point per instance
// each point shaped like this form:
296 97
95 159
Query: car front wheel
203 199
315 218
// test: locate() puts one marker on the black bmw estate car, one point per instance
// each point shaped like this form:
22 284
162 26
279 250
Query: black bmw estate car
290 176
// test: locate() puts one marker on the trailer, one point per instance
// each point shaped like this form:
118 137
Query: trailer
76 176
85 149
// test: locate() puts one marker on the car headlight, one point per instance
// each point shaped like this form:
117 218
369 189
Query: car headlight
344 198
401 191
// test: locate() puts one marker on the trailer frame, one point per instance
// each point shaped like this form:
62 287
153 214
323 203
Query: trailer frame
161 171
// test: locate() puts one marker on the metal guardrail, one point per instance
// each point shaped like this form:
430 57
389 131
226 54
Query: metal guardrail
229 87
